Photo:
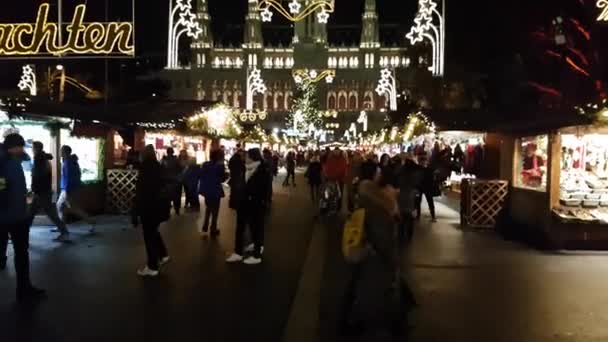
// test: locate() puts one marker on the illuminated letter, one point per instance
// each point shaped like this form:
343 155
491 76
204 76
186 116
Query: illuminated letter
44 32
74 30
5 36
93 37
119 36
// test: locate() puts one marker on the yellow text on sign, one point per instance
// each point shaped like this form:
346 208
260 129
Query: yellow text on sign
83 38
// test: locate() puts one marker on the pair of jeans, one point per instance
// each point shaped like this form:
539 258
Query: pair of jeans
155 246
429 200
44 201
212 212
64 203
19 233
252 217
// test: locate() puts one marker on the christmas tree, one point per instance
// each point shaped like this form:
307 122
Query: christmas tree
306 109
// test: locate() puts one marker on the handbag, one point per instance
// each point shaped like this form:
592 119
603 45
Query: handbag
354 244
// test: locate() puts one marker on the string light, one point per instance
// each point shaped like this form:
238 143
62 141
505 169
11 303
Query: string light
388 86
363 120
425 28
295 11
83 37
181 21
28 80
313 76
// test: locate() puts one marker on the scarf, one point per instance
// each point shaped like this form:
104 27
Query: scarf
250 169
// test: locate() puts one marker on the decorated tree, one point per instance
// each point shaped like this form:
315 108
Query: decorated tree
306 109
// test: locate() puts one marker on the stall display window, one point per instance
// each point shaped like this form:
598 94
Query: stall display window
531 168
584 177
87 151
30 132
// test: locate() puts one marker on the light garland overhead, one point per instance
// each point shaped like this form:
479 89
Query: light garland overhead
217 121
387 86
329 114
181 21
295 12
28 80
313 76
425 28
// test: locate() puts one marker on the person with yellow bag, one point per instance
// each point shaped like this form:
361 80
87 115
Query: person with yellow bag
369 242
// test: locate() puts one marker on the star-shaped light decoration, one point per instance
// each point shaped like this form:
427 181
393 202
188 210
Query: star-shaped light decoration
323 17
424 21
427 6
313 74
385 73
187 17
266 15
295 7
416 35
298 79
329 79
194 30
380 90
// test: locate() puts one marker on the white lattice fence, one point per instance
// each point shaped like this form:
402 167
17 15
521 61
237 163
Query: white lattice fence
121 190
484 201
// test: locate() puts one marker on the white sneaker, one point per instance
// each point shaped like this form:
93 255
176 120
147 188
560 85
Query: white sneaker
62 238
252 261
251 248
164 261
146 272
234 258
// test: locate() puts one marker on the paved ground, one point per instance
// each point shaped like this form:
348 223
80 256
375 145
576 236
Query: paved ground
472 286
95 293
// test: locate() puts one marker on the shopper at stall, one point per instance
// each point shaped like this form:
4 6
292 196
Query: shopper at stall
313 174
290 165
211 177
428 189
251 209
172 172
14 216
190 181
71 184
42 180
152 207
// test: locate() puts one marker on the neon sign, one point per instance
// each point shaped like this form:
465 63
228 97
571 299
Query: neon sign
603 4
83 38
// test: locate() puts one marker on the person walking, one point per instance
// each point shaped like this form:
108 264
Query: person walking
191 181
291 169
269 161
428 188
409 179
14 217
251 209
211 177
152 207
70 185
172 172
313 173
43 190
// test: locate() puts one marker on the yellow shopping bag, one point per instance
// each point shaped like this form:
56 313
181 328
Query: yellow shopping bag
354 245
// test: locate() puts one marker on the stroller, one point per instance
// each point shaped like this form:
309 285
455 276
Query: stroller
329 203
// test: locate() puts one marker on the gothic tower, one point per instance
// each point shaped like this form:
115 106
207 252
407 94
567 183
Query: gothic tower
370 35
201 47
253 28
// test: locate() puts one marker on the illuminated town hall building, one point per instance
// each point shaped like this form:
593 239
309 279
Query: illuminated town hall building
220 73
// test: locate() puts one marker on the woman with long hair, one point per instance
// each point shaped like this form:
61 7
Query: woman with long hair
152 207
251 208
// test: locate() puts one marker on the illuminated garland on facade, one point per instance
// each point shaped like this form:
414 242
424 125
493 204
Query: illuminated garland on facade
255 85
181 21
83 37
363 120
313 76
295 12
28 80
603 5
425 28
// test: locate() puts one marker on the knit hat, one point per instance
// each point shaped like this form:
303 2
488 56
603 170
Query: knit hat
13 140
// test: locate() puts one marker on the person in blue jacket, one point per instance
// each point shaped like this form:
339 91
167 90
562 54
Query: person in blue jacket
15 216
211 176
70 184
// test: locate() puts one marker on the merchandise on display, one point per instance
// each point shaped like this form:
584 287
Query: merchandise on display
531 171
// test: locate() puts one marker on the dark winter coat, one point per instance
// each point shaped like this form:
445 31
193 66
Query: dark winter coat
42 175
211 177
254 194
13 190
70 174
236 167
151 204
314 173
409 183
172 168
